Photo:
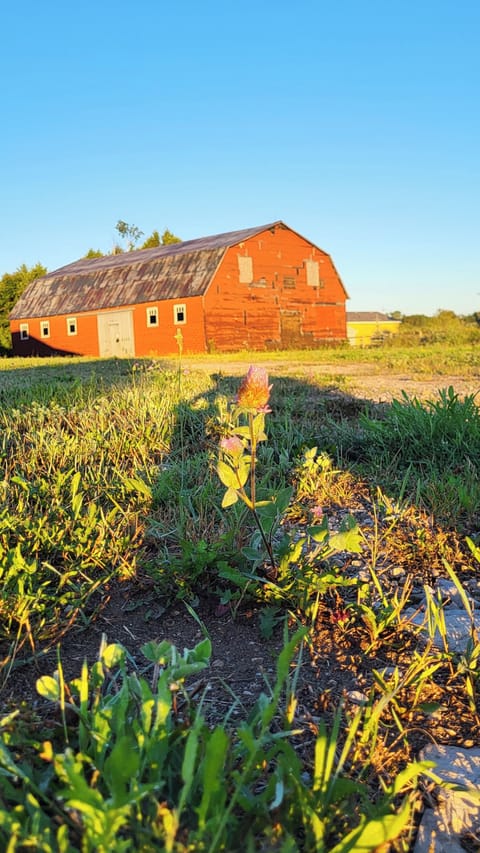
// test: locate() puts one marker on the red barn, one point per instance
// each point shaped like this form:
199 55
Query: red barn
261 288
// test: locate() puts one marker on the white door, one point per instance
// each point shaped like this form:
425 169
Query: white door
115 334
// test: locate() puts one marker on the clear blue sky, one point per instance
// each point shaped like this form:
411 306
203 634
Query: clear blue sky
357 123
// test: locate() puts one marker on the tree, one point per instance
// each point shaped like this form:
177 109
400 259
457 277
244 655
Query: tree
12 286
152 242
94 253
130 233
155 240
168 238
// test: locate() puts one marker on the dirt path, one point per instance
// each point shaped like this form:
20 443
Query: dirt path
361 379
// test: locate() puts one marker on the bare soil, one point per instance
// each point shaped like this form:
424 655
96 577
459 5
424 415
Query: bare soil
366 380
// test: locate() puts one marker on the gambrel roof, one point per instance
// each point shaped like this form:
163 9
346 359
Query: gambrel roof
176 271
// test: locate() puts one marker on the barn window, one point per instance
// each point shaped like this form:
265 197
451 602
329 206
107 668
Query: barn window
71 326
45 329
179 314
152 316
24 331
245 269
312 273
289 282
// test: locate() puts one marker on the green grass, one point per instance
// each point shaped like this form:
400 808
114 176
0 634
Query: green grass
109 471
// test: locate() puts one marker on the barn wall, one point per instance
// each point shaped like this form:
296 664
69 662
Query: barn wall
161 340
148 340
277 308
85 342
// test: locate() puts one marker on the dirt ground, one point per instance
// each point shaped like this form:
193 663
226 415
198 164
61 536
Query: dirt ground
366 380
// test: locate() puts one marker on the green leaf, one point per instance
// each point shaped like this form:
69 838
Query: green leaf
319 532
188 764
113 655
159 653
230 497
282 499
201 653
373 833
49 688
242 472
348 538
121 766
214 788
227 476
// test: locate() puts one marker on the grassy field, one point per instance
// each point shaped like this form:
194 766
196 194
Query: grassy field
113 472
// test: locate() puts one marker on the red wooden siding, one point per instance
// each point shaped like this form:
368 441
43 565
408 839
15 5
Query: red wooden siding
278 308
161 340
148 340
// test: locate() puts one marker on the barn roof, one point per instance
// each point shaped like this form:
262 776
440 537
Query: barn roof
368 317
176 271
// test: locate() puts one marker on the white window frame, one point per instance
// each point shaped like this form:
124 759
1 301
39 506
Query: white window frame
180 308
72 321
24 332
44 329
152 311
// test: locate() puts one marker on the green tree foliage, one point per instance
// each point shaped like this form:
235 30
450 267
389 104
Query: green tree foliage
155 239
443 327
168 238
129 233
94 253
12 286
152 242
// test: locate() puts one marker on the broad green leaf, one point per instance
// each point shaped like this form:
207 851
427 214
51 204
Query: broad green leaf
230 497
319 532
121 767
49 688
375 832
348 538
411 771
282 499
201 653
113 655
159 653
242 473
227 476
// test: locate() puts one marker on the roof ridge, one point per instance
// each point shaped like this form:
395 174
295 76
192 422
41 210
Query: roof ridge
214 241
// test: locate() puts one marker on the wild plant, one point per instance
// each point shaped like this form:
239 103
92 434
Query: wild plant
295 566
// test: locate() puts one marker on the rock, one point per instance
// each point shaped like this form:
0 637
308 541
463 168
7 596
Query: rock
458 627
357 697
450 593
457 811
458 624
397 572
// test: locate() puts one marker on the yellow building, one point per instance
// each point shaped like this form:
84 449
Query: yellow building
370 328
